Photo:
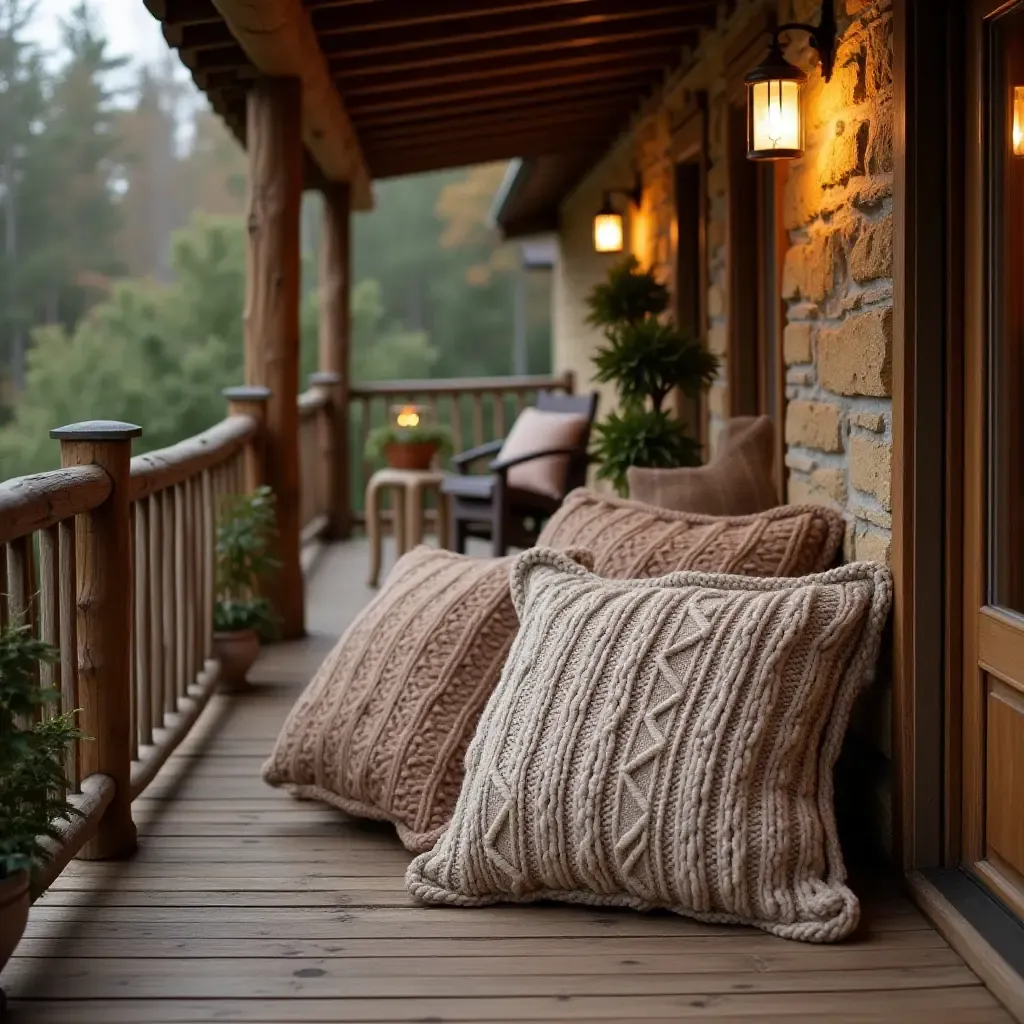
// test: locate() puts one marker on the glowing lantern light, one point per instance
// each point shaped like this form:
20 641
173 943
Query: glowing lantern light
408 416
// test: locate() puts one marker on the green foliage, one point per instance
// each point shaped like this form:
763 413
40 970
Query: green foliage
246 528
638 436
649 358
32 776
646 358
630 295
426 433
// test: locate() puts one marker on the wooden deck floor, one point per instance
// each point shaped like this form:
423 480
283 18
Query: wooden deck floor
243 905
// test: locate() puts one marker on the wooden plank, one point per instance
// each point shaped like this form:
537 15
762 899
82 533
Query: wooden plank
419 979
940 1006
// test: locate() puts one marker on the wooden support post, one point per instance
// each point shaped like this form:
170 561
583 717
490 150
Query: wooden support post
272 316
335 331
251 400
104 625
334 467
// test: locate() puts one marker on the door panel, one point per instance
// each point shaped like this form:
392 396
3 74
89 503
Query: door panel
993 678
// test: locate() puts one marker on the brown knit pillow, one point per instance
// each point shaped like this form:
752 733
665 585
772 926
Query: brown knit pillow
536 430
736 482
382 729
629 539
667 743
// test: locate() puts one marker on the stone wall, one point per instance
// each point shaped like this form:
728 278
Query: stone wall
836 279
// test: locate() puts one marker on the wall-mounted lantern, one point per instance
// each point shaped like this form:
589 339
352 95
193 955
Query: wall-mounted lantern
608 227
775 118
1018 120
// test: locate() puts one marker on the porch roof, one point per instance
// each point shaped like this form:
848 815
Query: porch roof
394 87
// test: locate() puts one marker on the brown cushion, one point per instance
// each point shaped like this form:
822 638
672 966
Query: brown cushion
382 729
536 430
667 743
736 482
629 539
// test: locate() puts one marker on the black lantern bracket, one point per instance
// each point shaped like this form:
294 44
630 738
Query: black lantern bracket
823 37
634 194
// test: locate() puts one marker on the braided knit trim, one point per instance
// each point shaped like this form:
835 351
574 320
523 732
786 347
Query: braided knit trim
667 744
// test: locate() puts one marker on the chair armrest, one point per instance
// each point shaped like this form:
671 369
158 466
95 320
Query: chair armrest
464 460
500 465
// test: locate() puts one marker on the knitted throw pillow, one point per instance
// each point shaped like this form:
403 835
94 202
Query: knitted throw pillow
666 744
736 482
381 731
631 540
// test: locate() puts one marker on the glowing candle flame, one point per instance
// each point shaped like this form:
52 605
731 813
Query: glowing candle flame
1018 120
408 417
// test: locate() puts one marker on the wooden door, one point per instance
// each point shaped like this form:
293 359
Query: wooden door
992 805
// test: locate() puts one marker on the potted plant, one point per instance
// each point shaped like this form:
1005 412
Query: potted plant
33 781
408 441
646 357
242 615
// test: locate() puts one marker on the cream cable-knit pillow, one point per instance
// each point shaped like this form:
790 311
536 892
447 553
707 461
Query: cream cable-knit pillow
667 743
630 539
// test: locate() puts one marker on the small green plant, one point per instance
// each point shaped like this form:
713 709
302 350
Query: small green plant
646 358
425 433
245 531
33 745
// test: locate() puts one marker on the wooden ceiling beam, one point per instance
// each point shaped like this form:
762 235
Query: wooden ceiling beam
595 61
223 58
498 106
376 38
605 110
529 45
501 85
184 12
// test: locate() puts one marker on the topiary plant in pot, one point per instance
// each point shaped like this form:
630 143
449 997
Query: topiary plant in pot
646 357
33 781
242 615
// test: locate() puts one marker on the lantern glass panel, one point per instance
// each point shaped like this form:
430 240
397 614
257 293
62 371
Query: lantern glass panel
776 121
608 232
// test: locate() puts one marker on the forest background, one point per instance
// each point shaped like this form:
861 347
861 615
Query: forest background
122 253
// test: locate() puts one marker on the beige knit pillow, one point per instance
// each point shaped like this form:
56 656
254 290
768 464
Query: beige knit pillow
382 729
537 430
669 744
736 482
632 540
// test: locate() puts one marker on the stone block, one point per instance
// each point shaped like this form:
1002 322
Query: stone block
718 339
879 56
870 545
871 468
716 301
873 421
855 358
842 156
797 343
871 256
880 147
809 269
822 487
718 400
814 425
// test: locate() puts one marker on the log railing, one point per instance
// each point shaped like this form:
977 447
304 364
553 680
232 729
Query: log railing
111 560
314 474
475 410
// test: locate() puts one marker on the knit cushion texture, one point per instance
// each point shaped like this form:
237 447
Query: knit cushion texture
381 731
736 482
667 743
630 539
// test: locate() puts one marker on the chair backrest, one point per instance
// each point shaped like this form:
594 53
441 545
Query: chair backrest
584 405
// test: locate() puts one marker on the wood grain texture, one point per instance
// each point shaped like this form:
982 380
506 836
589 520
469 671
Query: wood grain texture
261 908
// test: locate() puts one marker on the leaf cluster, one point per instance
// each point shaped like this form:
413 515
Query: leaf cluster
628 296
640 436
390 433
246 528
33 781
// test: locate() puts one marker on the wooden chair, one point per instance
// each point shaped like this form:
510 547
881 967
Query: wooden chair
487 506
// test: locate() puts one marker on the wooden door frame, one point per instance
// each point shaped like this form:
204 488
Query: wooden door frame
689 145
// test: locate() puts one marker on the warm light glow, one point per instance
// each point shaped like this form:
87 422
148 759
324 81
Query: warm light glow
1018 120
775 118
608 232
408 416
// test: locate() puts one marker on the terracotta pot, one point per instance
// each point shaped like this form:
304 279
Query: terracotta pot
236 652
14 903
410 454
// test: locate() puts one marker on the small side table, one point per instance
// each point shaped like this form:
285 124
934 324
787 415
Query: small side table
409 488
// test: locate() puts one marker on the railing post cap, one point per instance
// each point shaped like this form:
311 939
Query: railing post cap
247 393
97 430
325 378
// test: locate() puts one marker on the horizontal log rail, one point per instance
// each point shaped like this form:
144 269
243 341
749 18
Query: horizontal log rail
474 409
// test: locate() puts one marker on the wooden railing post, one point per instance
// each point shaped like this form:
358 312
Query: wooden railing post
333 435
104 624
251 400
